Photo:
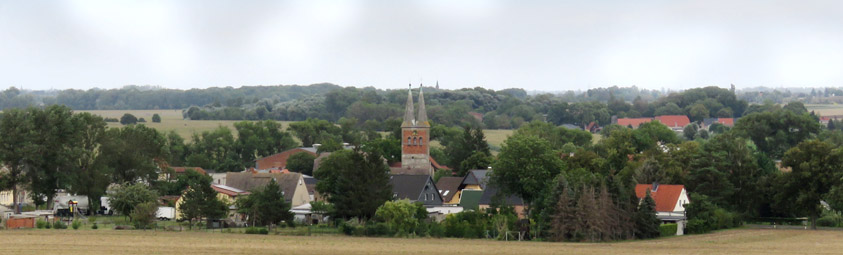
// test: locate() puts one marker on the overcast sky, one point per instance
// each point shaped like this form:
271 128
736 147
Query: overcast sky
536 45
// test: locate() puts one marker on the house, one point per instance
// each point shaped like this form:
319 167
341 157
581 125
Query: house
632 122
416 188
310 185
707 122
279 160
674 122
571 126
178 170
491 196
292 184
670 201
593 127
218 178
449 186
229 195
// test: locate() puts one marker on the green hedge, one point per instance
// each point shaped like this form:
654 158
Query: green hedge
668 229
256 231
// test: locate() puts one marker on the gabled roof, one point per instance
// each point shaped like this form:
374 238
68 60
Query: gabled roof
248 181
729 122
406 186
436 165
448 186
674 120
476 177
231 191
634 122
491 191
665 195
469 199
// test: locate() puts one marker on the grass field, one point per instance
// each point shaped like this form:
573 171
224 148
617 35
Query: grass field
744 241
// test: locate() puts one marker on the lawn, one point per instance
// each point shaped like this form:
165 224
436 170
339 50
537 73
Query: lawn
743 241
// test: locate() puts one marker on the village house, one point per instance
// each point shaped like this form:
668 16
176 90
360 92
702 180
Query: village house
172 172
416 188
670 202
292 184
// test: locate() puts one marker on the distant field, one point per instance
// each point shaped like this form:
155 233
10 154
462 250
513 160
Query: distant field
101 241
826 109
170 120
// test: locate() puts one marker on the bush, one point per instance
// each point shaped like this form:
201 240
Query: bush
830 219
76 224
696 226
94 226
377 229
668 229
40 224
257 231
59 225
49 225
143 216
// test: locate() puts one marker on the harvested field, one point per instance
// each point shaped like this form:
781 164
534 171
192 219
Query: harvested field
743 241
170 120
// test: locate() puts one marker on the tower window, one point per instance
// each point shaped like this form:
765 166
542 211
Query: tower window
421 142
408 141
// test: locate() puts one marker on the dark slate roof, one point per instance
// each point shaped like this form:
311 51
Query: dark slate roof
489 193
251 181
448 186
408 186
470 199
478 177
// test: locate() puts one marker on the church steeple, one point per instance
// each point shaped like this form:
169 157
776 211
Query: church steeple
409 113
422 121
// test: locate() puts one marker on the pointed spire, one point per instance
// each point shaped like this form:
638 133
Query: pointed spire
422 121
409 113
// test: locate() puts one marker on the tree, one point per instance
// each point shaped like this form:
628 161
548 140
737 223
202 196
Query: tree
471 142
134 153
128 119
260 139
356 183
527 167
390 148
301 162
314 131
14 127
646 223
124 198
156 118
51 150
816 168
215 149
777 131
690 131
272 207
143 215
400 215
89 173
831 125
200 201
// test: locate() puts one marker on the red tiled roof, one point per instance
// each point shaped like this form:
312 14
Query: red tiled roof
665 196
729 122
674 120
437 165
634 122
182 169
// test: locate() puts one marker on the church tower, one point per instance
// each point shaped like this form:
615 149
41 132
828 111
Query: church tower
415 139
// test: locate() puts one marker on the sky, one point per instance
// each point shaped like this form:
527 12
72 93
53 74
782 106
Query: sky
535 45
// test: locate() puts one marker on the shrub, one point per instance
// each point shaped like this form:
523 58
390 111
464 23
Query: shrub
143 216
696 226
76 224
830 219
377 229
48 225
40 224
257 231
668 229
94 226
59 225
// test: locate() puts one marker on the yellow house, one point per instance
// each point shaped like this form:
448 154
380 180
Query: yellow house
224 193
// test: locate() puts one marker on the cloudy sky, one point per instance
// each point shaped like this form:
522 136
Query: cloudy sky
536 45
